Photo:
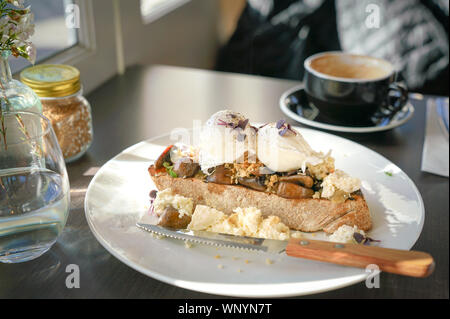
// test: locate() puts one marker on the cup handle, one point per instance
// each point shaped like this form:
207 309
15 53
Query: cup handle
396 102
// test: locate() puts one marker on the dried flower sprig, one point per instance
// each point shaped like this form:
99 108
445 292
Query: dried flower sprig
2 117
16 28
36 147
3 128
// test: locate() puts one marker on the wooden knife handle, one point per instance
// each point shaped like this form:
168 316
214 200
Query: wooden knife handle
402 262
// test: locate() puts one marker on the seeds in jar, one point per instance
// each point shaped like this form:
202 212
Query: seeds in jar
71 120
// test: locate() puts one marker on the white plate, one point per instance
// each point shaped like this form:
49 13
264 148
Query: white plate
118 196
399 119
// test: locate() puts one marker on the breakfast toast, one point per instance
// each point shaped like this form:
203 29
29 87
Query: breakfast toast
271 168
304 214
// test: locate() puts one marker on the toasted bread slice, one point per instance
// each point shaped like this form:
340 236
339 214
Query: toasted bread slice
306 215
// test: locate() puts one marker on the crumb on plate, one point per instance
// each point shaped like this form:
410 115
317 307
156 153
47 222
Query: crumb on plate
269 261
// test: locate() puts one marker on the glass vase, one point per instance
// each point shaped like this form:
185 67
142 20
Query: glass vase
14 95
34 187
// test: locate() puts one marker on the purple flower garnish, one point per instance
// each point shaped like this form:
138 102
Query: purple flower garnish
284 128
153 193
361 239
283 131
369 240
280 124
242 124
358 237
222 122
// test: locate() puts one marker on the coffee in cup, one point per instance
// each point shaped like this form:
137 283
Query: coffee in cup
350 88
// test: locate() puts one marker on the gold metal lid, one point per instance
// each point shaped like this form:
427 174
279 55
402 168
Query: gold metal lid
52 80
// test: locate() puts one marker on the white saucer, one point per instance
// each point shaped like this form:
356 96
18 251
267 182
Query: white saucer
311 116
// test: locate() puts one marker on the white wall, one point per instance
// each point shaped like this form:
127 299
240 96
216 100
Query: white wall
187 36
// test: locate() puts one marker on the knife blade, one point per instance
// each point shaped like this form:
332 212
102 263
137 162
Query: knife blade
403 262
217 239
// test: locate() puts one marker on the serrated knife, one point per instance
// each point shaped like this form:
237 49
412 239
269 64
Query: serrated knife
402 262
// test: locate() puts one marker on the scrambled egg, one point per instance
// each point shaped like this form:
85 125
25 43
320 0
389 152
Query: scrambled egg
204 217
321 170
339 181
166 198
244 222
344 234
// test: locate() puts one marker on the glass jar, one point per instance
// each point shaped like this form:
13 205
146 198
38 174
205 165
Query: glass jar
63 103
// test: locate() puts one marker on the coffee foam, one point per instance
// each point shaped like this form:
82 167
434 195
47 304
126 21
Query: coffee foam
351 66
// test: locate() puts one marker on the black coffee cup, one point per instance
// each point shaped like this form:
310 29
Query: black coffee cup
353 89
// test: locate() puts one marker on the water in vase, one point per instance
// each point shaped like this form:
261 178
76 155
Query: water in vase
34 206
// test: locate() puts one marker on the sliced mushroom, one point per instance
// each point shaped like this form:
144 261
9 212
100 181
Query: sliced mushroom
164 157
185 167
290 173
221 175
253 183
170 217
293 191
303 180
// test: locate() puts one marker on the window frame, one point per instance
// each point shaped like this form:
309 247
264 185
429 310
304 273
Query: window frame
86 44
86 52
161 10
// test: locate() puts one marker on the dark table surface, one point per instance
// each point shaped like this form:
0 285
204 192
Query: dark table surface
150 101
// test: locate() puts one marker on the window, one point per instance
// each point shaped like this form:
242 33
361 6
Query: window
94 46
51 36
154 9
65 33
